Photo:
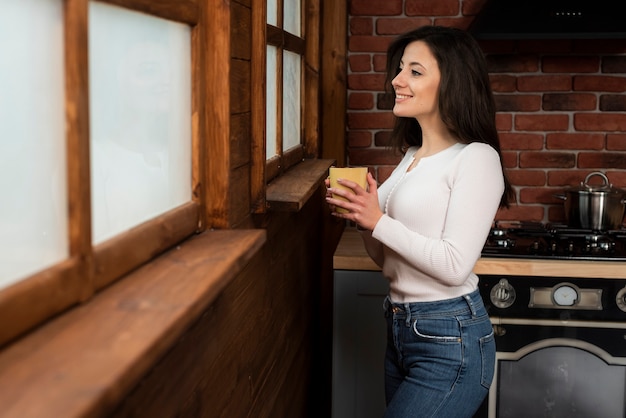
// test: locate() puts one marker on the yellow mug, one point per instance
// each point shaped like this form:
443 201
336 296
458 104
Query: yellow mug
355 174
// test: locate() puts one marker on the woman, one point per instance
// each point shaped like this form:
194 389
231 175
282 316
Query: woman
427 223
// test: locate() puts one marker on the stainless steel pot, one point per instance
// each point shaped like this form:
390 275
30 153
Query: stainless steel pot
596 207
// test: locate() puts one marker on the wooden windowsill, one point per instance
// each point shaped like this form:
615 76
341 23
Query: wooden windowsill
289 192
85 361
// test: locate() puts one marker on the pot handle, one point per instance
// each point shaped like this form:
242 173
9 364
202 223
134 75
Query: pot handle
605 180
560 196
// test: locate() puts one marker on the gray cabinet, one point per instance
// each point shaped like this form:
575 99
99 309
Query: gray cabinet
359 335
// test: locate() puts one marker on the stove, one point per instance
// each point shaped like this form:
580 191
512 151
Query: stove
554 241
557 338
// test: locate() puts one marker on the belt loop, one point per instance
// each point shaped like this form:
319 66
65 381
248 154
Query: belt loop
407 311
470 303
386 303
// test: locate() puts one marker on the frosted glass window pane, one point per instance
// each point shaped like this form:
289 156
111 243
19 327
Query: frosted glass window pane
33 205
272 12
270 103
140 105
292 17
291 99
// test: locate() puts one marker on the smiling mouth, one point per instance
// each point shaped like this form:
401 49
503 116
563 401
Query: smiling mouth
402 96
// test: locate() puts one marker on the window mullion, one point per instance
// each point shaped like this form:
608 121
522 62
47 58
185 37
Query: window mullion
77 117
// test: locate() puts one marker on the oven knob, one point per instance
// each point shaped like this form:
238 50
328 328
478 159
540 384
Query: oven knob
620 299
503 294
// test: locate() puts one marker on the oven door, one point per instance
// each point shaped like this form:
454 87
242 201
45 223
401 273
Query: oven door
558 369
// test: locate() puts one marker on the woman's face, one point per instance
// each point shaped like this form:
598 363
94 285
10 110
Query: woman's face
417 84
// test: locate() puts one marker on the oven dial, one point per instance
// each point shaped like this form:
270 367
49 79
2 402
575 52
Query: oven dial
620 299
565 295
503 294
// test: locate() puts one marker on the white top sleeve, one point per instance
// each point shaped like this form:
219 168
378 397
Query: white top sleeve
436 220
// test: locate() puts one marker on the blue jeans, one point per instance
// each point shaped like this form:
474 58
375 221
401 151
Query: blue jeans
440 357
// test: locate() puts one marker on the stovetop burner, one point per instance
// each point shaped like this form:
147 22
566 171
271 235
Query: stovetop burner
554 241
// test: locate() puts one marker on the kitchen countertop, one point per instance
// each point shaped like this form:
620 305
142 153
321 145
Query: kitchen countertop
351 255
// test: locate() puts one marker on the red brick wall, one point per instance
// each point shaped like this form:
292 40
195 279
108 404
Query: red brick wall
561 103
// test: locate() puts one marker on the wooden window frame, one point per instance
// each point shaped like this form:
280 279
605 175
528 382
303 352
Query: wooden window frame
90 268
268 187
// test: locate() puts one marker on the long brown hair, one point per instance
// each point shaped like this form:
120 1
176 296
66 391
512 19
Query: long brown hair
466 101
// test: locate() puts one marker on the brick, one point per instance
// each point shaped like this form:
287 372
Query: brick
384 172
503 83
375 8
599 83
616 142
569 101
517 102
396 26
359 139
504 121
543 195
360 63
545 159
361 101
363 43
570 64
431 7
370 120
613 102
385 101
615 64
472 7
545 46
519 141
366 82
600 122
541 122
361 26
617 178
498 46
382 139
569 179
600 46
509 159
380 63
530 213
512 63
566 178
544 83
602 160
556 214
527 177
373 156
575 141
453 22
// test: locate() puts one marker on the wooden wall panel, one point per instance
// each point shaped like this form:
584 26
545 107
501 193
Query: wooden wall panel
216 36
251 354
334 80
240 195
240 86
240 132
241 26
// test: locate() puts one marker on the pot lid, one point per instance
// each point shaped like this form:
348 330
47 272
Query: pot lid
605 187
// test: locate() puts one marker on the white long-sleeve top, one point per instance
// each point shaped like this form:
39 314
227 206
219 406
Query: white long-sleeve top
435 221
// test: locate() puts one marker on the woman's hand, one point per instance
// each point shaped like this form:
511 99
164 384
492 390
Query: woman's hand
362 205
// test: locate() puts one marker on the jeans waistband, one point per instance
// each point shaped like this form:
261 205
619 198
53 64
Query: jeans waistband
471 301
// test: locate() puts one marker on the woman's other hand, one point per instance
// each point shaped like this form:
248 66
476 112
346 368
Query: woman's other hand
362 205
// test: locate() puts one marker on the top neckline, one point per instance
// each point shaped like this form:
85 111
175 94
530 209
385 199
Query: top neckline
414 164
